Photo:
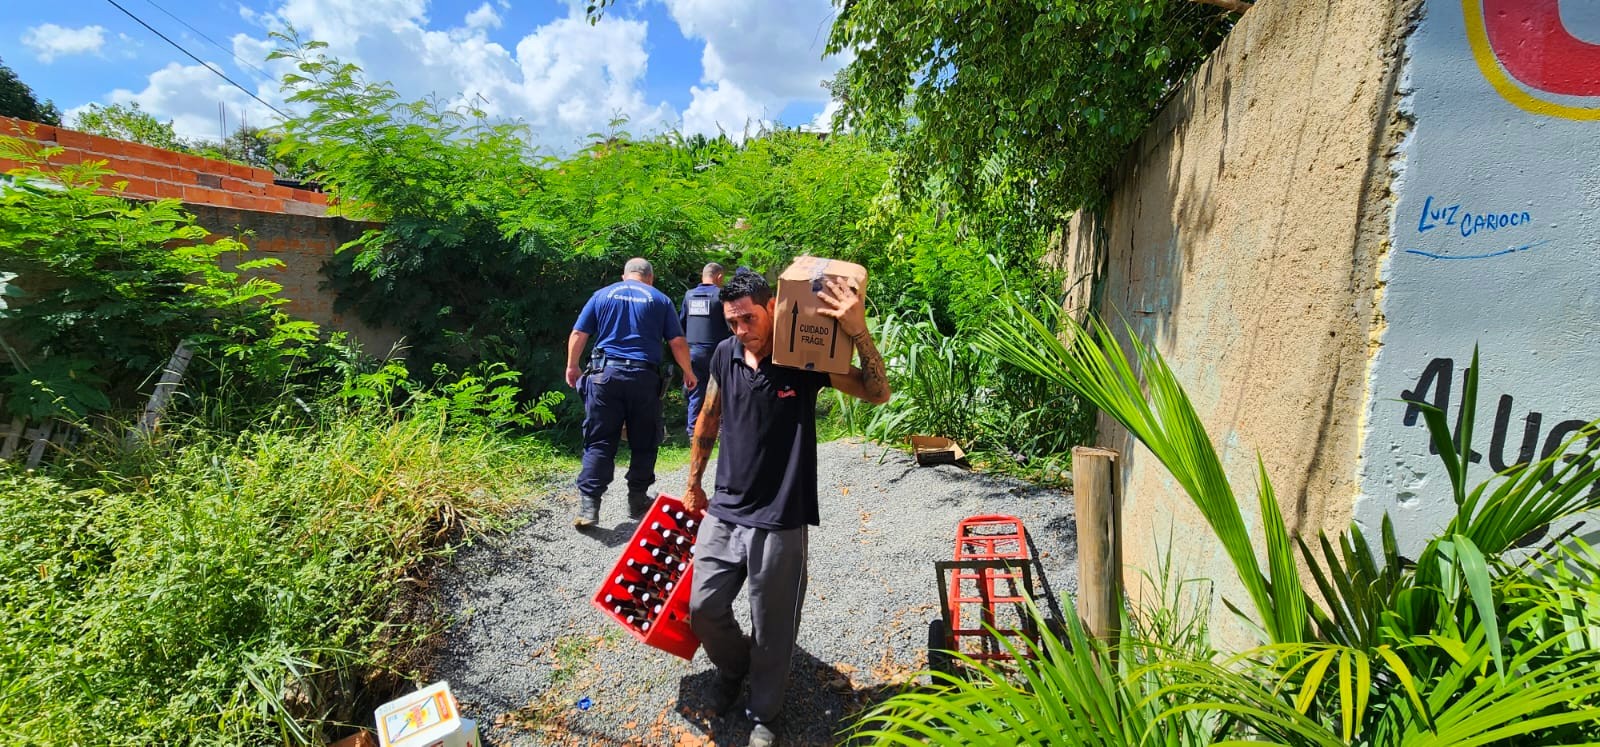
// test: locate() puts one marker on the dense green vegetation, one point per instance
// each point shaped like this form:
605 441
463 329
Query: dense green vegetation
495 247
228 589
1026 104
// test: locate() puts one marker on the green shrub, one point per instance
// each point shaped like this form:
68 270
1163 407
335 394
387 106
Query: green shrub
235 590
99 290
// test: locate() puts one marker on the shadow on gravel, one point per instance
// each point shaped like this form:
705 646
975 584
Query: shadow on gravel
821 702
616 536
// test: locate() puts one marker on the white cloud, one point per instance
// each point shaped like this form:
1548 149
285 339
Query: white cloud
564 79
823 122
759 58
189 96
725 108
483 18
49 41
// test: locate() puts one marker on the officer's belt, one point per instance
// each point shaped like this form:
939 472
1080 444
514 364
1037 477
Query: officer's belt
621 363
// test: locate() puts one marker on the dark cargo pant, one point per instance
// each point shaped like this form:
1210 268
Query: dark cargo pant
775 562
612 396
700 361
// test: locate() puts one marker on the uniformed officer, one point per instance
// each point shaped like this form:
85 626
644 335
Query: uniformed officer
703 327
629 321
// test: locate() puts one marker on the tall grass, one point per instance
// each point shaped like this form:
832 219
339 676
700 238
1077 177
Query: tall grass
232 590
945 385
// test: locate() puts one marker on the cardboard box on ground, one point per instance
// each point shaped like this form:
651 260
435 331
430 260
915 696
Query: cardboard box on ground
802 337
429 717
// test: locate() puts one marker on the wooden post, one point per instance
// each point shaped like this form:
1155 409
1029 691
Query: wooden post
171 375
1096 493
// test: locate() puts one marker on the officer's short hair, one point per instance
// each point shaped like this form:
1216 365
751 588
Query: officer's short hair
747 284
639 265
711 270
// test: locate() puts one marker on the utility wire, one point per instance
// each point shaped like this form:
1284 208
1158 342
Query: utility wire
191 56
264 74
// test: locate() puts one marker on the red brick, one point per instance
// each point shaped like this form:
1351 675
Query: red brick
40 133
75 140
142 152
265 176
160 171
124 167
315 198
136 187
191 162
243 187
204 196
166 157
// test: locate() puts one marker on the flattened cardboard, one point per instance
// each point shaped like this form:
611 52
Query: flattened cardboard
931 450
802 337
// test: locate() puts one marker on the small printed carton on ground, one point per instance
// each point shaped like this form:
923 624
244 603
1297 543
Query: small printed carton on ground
426 718
803 338
931 450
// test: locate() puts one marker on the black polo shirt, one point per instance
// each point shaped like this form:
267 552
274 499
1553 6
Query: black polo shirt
767 468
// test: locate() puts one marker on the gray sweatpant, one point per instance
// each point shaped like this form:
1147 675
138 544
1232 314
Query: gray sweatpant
775 563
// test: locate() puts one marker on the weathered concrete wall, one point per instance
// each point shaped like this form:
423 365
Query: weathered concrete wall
1242 241
1495 237
304 244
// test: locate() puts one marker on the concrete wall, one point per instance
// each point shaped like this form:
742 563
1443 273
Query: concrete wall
1344 201
1242 240
1496 235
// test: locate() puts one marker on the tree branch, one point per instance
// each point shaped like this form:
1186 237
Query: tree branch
1232 6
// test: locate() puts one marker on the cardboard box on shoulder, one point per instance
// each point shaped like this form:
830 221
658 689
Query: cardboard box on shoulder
803 338
428 717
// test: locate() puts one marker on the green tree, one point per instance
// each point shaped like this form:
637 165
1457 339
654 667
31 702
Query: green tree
128 122
17 100
1030 101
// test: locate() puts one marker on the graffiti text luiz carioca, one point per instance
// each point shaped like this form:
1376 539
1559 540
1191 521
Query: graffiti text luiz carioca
1467 221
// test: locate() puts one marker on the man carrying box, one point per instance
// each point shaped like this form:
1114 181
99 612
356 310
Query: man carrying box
765 497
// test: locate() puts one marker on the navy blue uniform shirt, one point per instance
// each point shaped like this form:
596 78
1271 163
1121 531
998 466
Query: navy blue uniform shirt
767 468
629 320
701 315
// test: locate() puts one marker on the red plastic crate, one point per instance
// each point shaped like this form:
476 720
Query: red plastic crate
669 630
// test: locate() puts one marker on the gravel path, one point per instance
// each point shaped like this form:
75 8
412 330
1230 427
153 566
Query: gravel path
527 646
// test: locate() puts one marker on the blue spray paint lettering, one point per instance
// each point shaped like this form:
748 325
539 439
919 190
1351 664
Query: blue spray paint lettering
1467 221
1472 223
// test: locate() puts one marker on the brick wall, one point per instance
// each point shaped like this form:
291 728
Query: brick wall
285 223
304 244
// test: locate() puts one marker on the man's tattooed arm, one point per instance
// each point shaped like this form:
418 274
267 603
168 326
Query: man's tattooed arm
874 376
705 431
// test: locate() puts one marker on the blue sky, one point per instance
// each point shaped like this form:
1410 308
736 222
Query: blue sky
694 65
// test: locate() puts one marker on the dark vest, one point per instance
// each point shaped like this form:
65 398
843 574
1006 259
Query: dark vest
703 323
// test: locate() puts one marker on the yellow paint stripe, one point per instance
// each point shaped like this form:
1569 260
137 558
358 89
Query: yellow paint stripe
1478 37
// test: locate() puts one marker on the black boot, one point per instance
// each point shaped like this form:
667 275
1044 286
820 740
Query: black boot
638 502
588 511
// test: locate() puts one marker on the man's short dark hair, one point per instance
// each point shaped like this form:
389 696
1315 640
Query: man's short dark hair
747 284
